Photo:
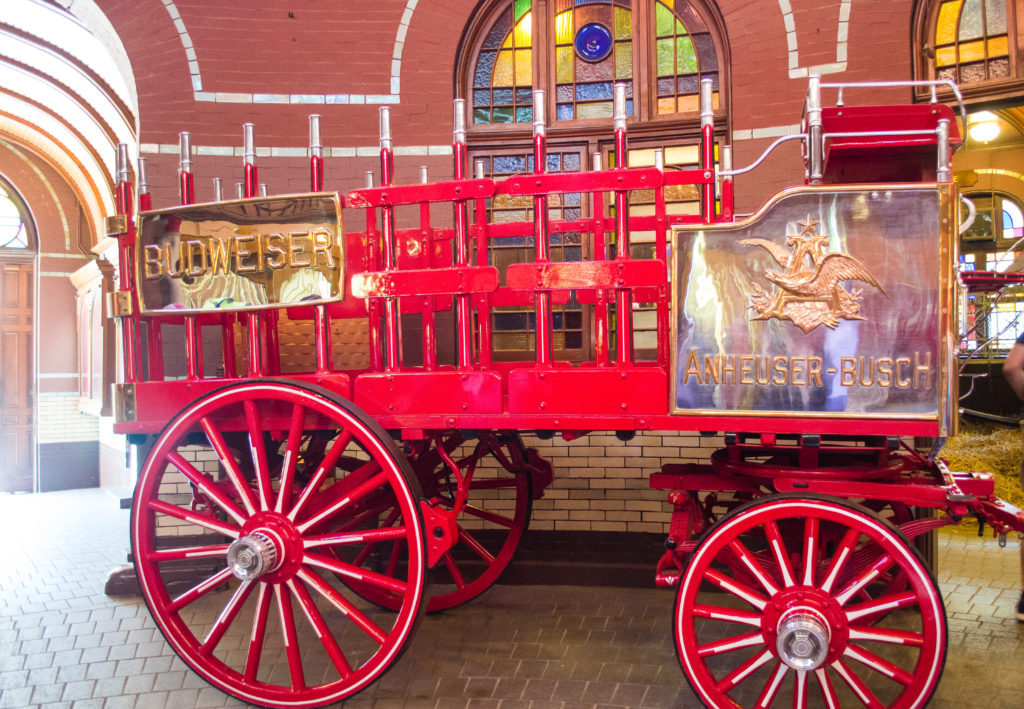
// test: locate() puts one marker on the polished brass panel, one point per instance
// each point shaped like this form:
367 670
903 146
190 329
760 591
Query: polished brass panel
124 403
241 255
119 304
830 301
117 224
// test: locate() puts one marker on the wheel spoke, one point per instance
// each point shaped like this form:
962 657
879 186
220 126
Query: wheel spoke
730 644
229 463
778 548
326 466
799 690
881 605
886 635
828 692
259 454
478 548
354 572
199 590
488 516
226 617
343 605
362 490
811 543
259 631
730 615
371 536
214 551
200 520
864 579
206 486
291 639
320 628
771 688
857 685
453 570
879 664
291 456
364 554
839 558
753 567
736 588
743 671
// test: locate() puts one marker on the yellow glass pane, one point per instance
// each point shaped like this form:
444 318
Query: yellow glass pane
524 30
524 67
945 27
594 110
624 60
945 56
641 157
689 104
682 154
666 105
972 51
563 27
714 104
623 23
503 74
670 4
564 61
997 47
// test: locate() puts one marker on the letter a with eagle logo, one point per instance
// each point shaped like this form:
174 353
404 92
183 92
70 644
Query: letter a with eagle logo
810 291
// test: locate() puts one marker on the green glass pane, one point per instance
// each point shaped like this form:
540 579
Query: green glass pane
665 20
481 115
666 57
680 29
623 23
564 60
504 114
686 58
522 7
563 28
624 60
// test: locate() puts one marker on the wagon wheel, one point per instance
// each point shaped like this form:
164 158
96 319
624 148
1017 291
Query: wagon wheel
239 583
800 634
492 508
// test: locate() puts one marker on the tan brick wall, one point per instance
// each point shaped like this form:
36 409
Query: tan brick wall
61 421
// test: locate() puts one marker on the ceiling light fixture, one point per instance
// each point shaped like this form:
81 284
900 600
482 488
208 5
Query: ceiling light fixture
983 126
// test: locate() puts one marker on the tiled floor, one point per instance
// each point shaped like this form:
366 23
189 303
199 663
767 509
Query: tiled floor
64 643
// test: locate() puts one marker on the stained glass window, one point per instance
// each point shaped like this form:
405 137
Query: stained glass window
971 41
503 75
13 234
685 54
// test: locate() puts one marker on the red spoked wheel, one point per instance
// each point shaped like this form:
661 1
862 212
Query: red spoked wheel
788 602
487 486
238 513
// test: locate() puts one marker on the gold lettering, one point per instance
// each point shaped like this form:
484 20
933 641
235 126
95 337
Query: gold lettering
192 268
780 370
241 253
767 378
869 370
173 272
152 265
322 244
901 381
692 367
814 371
728 367
796 365
278 261
295 249
885 371
711 369
220 254
746 369
260 240
923 370
847 371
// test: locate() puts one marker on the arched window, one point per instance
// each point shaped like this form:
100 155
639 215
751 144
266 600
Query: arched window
15 228
972 42
577 49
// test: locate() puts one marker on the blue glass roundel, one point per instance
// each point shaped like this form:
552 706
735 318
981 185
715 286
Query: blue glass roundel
593 42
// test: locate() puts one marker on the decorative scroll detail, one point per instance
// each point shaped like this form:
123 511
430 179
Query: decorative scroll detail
809 290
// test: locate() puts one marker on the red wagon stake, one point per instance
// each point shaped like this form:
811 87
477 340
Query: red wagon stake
286 517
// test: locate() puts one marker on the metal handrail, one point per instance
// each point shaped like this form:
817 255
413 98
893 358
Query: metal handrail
778 141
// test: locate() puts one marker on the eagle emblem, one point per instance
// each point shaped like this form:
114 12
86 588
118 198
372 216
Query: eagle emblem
810 291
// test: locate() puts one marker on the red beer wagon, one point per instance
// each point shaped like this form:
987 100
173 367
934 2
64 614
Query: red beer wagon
314 456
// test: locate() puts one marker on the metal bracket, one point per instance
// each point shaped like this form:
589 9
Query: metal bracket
119 304
442 531
124 403
117 224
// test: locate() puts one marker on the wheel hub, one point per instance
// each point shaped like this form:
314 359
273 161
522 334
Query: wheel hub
803 639
253 555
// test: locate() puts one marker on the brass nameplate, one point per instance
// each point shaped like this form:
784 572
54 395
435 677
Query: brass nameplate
241 255
829 301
